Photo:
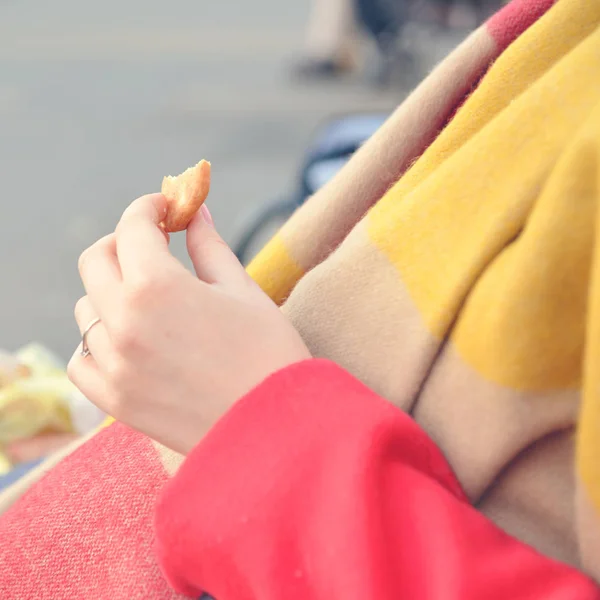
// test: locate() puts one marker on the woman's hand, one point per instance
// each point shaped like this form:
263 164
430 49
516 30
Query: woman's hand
173 352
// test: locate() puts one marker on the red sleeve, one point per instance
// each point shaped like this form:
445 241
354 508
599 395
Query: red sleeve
314 488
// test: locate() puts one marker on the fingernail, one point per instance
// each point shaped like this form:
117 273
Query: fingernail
206 215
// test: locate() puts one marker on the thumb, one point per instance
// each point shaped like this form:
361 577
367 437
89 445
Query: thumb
213 260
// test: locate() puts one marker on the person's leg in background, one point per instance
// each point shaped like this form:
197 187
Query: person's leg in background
384 21
330 39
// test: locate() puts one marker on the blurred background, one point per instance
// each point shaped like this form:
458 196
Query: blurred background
99 100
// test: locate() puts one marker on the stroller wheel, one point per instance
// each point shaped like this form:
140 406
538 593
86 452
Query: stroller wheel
263 228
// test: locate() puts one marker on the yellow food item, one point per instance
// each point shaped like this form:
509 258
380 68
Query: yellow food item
30 406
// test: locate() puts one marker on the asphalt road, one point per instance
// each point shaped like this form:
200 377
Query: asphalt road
99 100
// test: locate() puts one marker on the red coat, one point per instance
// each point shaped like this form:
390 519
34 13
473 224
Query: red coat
315 488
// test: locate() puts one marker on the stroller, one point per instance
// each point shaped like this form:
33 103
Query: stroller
332 148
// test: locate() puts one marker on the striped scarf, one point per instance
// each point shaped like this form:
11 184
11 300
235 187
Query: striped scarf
466 289
456 277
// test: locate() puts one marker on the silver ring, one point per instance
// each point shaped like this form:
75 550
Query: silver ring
85 351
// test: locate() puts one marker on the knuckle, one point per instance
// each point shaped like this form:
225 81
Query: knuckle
96 249
122 222
126 340
138 293
220 243
138 297
83 260
217 248
209 245
79 308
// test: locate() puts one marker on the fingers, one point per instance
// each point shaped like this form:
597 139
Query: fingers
101 275
85 375
97 338
213 260
85 372
141 245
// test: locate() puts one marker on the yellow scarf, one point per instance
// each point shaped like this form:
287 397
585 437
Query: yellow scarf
469 293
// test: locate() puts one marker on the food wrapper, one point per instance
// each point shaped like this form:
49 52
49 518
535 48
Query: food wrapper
37 398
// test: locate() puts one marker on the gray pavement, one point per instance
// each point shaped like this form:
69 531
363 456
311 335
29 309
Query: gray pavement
99 100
